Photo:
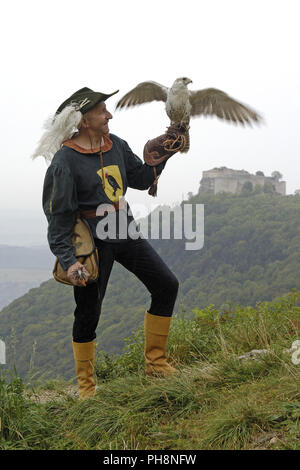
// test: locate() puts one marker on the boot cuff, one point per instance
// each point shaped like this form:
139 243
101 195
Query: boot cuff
84 351
157 324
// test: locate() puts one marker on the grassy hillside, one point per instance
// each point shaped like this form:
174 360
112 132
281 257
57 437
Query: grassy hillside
217 400
251 253
37 327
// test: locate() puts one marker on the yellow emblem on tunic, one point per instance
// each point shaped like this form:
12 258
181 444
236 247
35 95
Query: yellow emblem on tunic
112 184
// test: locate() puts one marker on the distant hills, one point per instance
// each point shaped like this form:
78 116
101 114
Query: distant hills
22 268
251 253
23 227
34 257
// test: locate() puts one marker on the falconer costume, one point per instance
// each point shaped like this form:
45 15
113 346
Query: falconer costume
81 181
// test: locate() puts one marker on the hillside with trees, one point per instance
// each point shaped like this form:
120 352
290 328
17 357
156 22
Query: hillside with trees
236 387
251 254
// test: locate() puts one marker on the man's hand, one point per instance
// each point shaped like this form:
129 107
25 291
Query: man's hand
77 274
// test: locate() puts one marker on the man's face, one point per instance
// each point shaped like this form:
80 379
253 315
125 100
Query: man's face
97 119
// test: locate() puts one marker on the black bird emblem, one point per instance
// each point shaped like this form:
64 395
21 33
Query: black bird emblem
112 181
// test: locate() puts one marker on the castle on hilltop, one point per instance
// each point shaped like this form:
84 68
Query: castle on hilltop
235 181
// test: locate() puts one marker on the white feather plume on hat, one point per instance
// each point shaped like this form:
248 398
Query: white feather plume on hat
59 128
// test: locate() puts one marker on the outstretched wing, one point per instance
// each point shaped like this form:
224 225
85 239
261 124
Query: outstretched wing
211 101
144 93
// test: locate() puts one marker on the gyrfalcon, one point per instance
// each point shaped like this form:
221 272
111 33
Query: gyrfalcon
182 104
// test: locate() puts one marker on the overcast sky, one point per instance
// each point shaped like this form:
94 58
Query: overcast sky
249 49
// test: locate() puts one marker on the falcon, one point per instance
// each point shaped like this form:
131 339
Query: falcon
181 104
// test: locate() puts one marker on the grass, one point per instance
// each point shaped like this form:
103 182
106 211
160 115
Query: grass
216 400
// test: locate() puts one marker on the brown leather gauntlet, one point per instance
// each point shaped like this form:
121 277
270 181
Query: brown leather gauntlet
163 147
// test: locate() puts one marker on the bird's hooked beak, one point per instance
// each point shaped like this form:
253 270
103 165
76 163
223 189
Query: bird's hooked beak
188 81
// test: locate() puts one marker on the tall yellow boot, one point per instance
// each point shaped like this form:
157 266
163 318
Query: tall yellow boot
156 336
84 356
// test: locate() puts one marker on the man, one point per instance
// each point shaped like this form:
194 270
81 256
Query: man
92 167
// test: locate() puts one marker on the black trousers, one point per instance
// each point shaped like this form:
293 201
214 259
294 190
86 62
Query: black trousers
140 258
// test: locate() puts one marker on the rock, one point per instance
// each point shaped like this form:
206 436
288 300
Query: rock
253 354
264 437
295 346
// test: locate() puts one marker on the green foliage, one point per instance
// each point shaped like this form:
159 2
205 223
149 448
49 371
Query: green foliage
288 418
247 188
12 406
251 253
216 400
213 333
130 361
23 424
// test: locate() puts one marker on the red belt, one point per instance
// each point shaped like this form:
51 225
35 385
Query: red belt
104 208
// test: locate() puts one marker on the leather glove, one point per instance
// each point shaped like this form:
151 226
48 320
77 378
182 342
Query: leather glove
163 147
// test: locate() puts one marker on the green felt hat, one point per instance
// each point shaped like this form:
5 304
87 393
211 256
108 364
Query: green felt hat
85 99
